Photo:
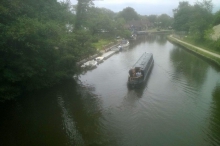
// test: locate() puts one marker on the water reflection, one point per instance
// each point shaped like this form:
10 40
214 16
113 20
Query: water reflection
215 117
140 39
69 125
84 114
152 38
191 67
65 115
161 39
101 110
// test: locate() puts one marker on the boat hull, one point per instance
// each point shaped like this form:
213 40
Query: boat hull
134 82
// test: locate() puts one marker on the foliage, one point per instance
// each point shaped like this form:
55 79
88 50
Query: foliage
152 18
102 42
165 20
216 20
194 19
200 19
41 41
182 16
128 14
37 49
81 12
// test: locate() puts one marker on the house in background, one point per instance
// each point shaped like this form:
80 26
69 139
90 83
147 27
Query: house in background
138 25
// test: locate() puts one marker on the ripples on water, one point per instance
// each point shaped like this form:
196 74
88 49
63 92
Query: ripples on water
69 125
171 109
178 105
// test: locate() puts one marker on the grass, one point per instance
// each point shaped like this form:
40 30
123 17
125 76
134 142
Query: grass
210 57
156 30
101 43
202 44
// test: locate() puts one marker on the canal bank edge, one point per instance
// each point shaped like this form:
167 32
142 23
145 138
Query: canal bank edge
102 53
210 56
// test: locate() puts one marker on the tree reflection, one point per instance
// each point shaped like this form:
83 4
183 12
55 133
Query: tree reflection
161 39
215 118
85 109
151 38
191 67
140 39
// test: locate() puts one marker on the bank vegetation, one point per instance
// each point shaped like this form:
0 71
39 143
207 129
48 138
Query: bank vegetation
196 23
41 40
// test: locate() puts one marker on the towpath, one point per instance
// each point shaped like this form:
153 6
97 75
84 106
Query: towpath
201 49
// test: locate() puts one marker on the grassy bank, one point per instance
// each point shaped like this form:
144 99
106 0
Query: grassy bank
210 45
156 30
103 43
210 57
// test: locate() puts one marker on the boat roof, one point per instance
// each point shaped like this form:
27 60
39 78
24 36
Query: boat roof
124 41
143 60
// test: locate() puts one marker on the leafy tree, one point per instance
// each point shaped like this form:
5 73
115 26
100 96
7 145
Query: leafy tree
35 52
100 20
200 19
182 16
165 20
128 14
216 18
152 18
81 12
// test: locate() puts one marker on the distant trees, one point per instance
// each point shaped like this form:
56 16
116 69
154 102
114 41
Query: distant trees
195 19
164 20
128 14
216 18
201 19
161 21
152 18
198 20
182 16
99 20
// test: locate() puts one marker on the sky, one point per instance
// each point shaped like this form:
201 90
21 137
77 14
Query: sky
146 7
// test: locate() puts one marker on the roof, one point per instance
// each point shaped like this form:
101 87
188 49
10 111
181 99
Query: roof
143 60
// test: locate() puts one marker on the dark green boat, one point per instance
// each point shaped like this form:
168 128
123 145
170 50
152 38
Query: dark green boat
141 69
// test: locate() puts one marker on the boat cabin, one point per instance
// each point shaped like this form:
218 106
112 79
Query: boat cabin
140 70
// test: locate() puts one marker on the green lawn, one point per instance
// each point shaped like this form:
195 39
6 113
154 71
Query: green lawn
202 44
101 43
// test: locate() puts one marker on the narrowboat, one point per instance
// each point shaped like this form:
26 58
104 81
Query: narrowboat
124 43
140 70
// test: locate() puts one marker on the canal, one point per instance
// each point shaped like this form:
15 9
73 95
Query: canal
179 104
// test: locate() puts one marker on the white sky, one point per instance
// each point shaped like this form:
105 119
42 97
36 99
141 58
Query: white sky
146 7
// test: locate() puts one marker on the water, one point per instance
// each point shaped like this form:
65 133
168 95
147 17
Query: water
179 104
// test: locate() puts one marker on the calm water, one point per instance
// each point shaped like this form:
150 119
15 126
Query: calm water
178 105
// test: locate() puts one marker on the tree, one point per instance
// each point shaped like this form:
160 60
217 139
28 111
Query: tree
100 19
128 14
152 18
182 16
200 19
165 20
216 19
81 12
37 50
